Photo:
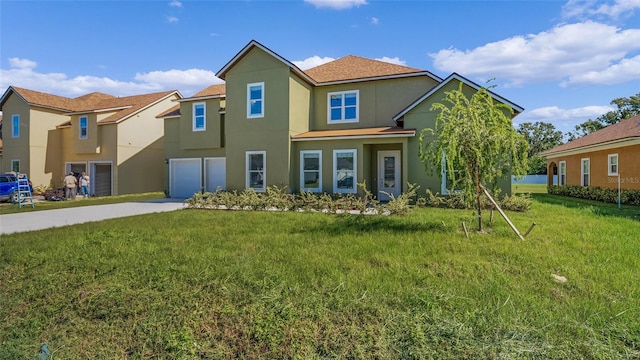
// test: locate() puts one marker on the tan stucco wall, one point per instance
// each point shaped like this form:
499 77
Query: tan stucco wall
91 144
628 165
269 133
212 137
379 101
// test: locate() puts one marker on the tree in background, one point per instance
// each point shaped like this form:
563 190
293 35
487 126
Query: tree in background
626 108
541 136
474 139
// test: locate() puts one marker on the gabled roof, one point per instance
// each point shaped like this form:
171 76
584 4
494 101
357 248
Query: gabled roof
38 98
454 76
211 92
624 130
173 112
123 107
254 44
358 68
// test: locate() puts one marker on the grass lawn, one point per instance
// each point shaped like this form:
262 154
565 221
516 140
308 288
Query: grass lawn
266 285
529 188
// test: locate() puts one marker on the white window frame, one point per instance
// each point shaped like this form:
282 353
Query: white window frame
15 125
86 127
342 120
609 164
194 117
248 171
302 170
13 165
562 173
257 115
582 173
352 190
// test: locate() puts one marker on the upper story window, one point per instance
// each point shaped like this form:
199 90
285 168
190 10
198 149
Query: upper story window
15 126
199 115
342 107
613 164
255 100
83 130
562 173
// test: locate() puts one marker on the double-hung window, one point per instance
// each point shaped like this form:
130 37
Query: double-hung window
199 116
83 128
15 126
256 170
613 164
255 100
15 166
311 170
343 107
344 171
562 173
585 172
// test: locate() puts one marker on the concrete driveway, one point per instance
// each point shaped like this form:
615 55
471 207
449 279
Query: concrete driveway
38 220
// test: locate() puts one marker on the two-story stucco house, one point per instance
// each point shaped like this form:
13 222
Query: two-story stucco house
118 141
324 129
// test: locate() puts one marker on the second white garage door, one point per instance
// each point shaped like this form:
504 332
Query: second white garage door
185 177
215 170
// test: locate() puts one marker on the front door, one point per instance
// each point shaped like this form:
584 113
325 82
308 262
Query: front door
388 174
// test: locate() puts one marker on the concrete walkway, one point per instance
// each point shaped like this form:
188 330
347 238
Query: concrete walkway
38 220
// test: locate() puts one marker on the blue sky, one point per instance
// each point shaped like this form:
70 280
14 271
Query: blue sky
563 61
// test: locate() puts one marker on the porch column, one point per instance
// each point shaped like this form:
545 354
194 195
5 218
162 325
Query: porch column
405 166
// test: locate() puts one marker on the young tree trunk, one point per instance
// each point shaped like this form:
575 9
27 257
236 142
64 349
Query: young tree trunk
478 198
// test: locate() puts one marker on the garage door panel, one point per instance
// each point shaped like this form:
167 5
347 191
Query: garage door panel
216 174
185 177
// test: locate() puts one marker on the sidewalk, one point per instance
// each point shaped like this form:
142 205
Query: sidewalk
38 220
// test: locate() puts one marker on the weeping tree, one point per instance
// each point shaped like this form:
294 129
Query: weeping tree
474 141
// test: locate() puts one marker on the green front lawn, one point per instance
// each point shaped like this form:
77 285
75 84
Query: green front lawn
9 208
270 285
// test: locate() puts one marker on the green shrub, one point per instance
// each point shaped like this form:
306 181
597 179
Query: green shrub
608 195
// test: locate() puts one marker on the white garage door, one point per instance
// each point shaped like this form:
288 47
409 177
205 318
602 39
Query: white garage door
185 177
215 170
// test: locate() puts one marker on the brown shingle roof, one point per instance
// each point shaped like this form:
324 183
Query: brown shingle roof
385 131
354 67
213 90
47 100
172 112
629 128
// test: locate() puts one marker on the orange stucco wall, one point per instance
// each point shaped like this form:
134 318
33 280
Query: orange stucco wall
628 165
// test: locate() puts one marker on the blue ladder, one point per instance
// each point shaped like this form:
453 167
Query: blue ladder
24 191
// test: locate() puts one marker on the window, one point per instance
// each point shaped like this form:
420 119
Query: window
15 166
562 173
344 171
311 170
83 128
15 126
613 164
342 107
199 114
255 100
585 172
256 170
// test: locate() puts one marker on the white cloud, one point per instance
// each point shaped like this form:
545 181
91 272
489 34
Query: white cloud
175 3
614 10
186 81
624 71
22 63
336 4
375 21
395 60
563 119
564 52
313 61
172 19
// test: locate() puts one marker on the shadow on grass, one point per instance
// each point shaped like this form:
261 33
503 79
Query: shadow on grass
371 224
597 207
